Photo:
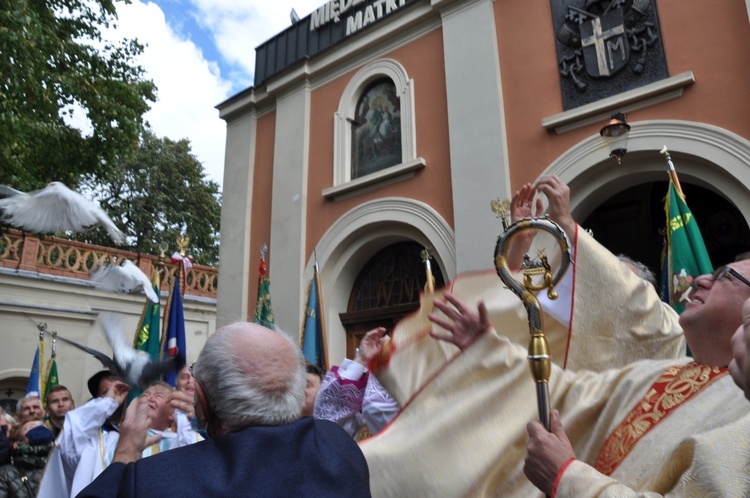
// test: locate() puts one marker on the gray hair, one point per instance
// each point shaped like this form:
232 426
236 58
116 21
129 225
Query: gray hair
237 397
642 271
8 417
21 401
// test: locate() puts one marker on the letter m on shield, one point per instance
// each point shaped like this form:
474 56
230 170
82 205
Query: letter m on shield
605 44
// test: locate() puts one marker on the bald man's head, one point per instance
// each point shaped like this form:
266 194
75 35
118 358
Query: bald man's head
251 375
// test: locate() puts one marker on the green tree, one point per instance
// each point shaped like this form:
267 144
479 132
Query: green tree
155 194
53 59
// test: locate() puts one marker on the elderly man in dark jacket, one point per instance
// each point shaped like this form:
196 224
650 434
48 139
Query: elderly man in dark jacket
250 388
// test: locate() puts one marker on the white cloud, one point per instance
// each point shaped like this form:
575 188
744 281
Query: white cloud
188 85
239 27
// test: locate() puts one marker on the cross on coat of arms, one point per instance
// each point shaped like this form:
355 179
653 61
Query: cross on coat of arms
597 39
605 46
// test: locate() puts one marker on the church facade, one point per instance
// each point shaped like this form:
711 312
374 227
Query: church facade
378 128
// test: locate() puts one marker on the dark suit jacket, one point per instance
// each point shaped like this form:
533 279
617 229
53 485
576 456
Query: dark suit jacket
306 458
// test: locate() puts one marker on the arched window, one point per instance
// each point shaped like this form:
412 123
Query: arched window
376 129
374 140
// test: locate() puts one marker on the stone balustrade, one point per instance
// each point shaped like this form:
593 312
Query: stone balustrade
54 256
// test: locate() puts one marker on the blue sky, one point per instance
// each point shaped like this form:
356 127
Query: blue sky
199 53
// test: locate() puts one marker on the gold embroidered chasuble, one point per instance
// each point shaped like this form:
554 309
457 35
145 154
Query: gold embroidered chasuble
674 387
464 433
700 449
461 431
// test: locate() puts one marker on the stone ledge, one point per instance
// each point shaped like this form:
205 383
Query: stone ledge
638 98
375 180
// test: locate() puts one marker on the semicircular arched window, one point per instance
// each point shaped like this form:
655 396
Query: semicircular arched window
376 129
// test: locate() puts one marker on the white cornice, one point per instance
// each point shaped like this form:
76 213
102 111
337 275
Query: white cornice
638 98
375 180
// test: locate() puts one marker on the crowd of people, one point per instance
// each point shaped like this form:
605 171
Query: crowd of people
446 396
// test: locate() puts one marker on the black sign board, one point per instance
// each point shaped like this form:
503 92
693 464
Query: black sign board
328 25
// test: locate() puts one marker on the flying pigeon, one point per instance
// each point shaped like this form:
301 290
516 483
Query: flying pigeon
6 191
127 278
136 368
52 209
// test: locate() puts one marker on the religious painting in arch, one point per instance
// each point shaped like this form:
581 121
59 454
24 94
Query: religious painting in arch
632 222
387 289
376 129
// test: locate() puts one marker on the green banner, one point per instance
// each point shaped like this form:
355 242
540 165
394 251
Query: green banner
263 311
687 257
148 335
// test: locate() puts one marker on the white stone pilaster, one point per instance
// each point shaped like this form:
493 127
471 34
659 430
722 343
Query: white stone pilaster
478 151
289 207
234 252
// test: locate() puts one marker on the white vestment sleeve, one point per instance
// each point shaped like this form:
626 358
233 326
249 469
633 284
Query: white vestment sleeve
378 407
54 482
80 431
351 370
81 428
185 433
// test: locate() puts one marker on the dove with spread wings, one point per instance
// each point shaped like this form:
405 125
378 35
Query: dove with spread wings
126 278
135 367
53 209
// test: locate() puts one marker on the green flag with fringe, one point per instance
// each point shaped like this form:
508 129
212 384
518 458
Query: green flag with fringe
685 256
148 334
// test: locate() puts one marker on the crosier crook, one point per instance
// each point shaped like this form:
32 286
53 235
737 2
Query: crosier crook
539 357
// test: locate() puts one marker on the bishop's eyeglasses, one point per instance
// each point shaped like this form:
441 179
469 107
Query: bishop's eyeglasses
728 270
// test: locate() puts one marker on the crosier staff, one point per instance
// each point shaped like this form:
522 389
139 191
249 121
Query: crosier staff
539 357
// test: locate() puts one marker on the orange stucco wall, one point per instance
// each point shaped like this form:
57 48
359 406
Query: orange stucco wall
709 38
423 61
260 226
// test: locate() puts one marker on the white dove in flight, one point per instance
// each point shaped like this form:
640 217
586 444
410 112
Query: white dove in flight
53 209
135 367
126 278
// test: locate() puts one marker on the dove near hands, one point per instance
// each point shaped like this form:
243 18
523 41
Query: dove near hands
136 368
53 209
126 278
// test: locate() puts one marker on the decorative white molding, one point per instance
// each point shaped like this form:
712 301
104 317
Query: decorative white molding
342 136
704 154
375 180
638 98
358 235
14 372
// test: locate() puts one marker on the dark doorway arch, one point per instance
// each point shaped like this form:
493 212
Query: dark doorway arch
631 221
386 289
